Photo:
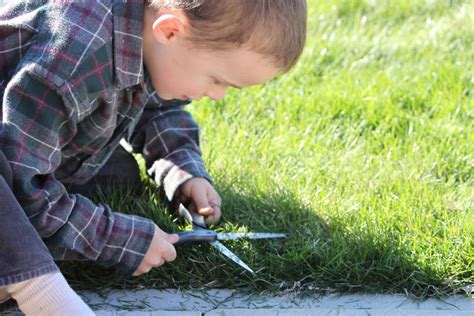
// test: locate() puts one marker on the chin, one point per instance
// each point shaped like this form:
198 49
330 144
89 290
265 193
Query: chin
164 96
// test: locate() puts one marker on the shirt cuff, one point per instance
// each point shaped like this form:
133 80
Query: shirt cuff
177 168
128 243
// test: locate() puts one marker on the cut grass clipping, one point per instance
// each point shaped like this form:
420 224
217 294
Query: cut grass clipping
363 155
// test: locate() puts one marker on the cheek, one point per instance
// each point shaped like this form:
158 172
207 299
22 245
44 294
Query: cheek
176 81
170 83
193 86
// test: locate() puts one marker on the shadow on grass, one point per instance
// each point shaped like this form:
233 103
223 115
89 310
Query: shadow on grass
319 255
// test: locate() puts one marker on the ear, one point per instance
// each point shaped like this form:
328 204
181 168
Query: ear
167 28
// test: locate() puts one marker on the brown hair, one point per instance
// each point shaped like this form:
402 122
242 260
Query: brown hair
274 28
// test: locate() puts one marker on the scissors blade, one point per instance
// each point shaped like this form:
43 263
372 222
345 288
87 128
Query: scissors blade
197 220
233 236
183 212
229 254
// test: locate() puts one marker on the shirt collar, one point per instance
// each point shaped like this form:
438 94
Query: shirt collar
128 42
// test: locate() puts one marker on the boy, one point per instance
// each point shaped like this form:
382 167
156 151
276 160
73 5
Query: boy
76 77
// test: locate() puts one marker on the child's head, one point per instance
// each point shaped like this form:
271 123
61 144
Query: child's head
246 41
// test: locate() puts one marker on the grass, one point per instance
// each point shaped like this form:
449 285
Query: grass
363 155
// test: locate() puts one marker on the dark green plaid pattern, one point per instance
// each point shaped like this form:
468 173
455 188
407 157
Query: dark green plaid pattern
72 86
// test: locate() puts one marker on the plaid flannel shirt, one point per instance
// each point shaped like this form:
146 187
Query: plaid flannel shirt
72 85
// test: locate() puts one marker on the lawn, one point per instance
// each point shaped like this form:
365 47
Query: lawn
363 155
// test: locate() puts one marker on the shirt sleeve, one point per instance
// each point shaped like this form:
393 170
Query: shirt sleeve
168 138
36 126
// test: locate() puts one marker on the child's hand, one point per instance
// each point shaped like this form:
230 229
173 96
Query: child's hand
161 250
202 197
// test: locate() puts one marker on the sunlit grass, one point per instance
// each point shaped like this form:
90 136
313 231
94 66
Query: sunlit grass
363 155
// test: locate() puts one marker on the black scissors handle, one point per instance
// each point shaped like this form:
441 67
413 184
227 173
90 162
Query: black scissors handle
196 236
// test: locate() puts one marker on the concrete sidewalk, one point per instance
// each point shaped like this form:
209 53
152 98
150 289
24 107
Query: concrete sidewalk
234 303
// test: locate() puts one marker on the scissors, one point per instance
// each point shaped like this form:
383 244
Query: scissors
200 233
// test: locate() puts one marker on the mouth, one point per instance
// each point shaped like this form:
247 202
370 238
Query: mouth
184 97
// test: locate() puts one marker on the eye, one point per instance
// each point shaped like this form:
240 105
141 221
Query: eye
218 83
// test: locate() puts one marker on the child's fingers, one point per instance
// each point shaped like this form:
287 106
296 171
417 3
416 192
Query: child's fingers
164 244
167 251
215 204
161 250
144 267
212 214
215 217
206 211
172 238
217 212
210 220
202 204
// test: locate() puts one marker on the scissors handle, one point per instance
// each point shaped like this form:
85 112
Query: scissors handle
196 236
